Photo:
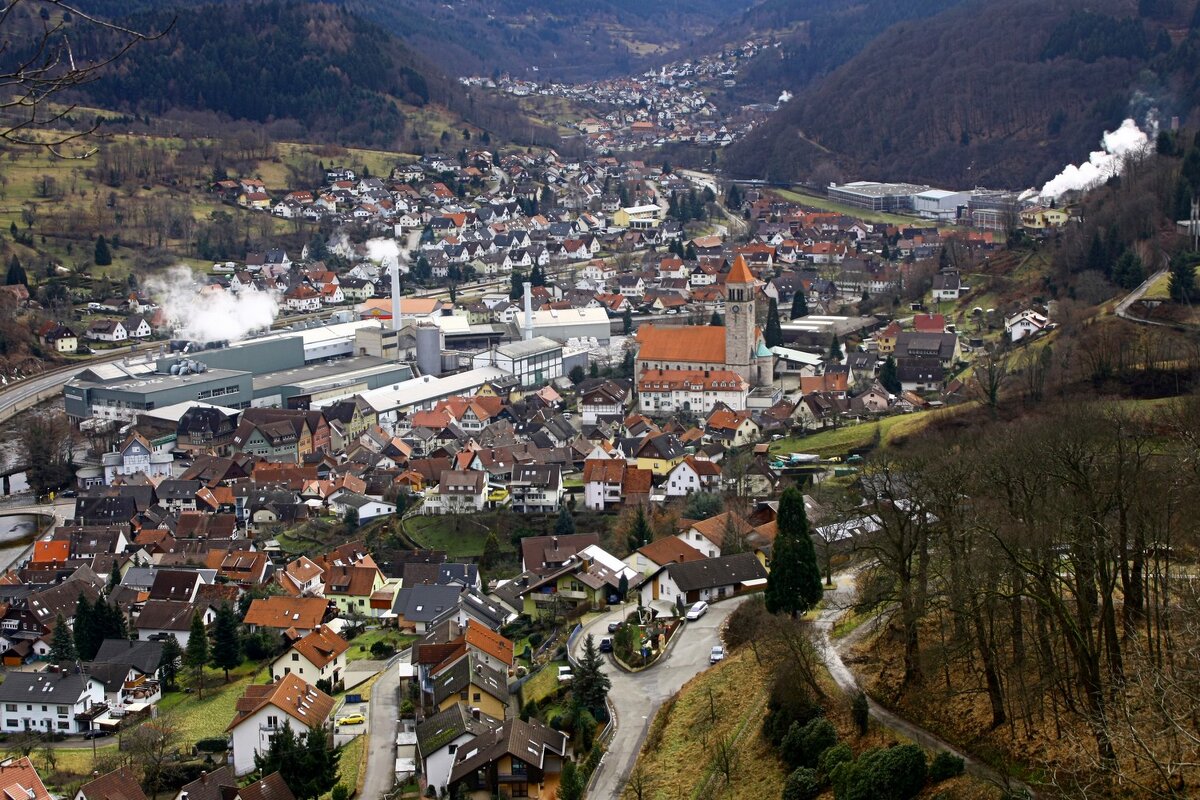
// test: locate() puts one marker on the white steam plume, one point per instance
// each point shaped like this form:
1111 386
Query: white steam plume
210 315
784 97
385 253
1126 141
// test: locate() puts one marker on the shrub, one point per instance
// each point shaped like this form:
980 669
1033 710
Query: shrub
789 702
593 760
802 784
382 649
340 792
215 744
945 765
535 639
804 744
897 773
528 711
833 757
860 711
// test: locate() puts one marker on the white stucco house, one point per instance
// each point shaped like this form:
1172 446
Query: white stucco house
266 708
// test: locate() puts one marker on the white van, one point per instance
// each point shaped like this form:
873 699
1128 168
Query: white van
697 611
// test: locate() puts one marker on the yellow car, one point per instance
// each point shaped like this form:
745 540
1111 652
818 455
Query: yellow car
353 719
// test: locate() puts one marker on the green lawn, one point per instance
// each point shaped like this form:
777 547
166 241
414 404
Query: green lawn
840 441
543 684
1161 288
350 766
199 718
360 647
825 204
460 536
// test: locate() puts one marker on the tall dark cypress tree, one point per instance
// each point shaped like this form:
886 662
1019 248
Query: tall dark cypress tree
16 273
102 256
794 583
84 629
773 331
799 304
226 643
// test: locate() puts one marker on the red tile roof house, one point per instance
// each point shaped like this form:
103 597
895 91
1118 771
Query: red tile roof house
265 708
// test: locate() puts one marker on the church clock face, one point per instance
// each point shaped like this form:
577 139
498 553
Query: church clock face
735 309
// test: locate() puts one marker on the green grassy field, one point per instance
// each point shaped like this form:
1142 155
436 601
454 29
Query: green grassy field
543 684
198 718
459 536
824 203
840 441
1161 288
360 647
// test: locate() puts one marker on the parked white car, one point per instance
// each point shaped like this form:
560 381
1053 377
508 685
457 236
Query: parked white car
697 611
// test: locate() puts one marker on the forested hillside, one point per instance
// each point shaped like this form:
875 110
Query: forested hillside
561 39
340 78
814 37
989 92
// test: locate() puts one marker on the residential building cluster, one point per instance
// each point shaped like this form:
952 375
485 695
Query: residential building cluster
671 105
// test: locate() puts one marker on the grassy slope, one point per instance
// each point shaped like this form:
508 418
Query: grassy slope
839 441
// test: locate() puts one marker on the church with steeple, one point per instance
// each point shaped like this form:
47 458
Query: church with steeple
736 347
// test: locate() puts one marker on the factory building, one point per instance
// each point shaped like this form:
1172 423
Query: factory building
876 196
569 323
940 204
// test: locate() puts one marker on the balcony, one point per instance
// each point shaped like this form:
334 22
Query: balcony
91 713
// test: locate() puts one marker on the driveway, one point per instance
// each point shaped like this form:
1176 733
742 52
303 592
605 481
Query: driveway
638 696
382 719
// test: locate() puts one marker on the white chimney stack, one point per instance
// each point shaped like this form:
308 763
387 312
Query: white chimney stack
397 321
528 332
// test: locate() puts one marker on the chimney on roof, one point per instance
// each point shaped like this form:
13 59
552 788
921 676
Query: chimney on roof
528 332
475 713
397 317
555 541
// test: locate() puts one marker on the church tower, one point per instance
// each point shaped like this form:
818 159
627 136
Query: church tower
740 338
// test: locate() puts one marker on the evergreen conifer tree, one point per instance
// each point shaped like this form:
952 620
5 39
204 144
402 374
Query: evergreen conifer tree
799 304
168 662
16 273
794 583
226 642
773 331
62 645
195 657
102 256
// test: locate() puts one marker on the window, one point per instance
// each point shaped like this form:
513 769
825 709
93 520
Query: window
295 656
45 708
62 711
10 706
451 749
476 698
12 723
63 724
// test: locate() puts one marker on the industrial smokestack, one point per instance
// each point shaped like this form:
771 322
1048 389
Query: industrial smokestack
528 332
397 320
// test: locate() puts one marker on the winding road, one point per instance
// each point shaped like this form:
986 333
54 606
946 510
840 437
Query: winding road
637 696
836 602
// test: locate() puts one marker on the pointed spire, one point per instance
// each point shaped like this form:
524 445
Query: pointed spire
739 272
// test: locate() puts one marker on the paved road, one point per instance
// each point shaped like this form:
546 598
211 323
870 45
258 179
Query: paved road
1122 309
382 720
836 602
638 696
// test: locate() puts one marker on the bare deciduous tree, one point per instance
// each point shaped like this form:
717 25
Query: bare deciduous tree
44 62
